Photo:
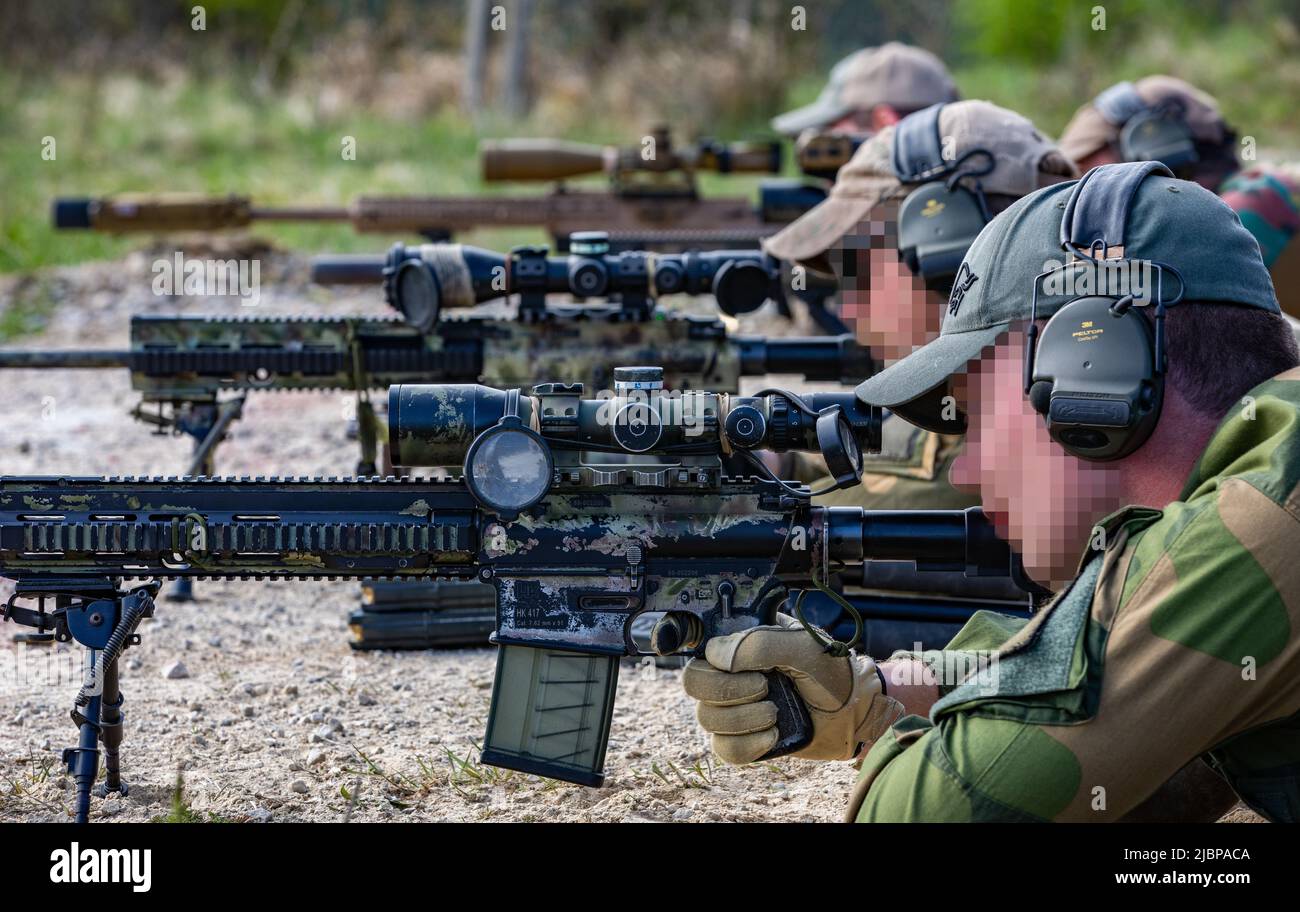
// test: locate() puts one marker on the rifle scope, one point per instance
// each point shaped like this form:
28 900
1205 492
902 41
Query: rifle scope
420 281
507 441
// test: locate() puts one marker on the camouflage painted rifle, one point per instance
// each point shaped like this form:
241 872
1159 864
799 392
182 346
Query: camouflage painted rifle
652 203
577 544
194 372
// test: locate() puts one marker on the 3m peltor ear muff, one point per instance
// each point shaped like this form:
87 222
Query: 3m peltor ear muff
939 220
1149 132
1096 370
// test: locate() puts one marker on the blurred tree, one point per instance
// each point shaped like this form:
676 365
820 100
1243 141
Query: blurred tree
476 33
519 34
1028 31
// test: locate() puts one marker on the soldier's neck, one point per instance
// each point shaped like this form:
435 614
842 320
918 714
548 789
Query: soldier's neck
1154 476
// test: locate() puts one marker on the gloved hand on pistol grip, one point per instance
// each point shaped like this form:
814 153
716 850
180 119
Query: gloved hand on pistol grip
843 694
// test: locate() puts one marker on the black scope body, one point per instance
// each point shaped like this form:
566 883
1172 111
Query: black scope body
784 200
435 424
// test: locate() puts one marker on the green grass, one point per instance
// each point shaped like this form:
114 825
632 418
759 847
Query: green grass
119 134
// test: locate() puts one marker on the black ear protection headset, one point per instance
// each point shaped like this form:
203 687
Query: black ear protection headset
939 220
1149 132
1097 372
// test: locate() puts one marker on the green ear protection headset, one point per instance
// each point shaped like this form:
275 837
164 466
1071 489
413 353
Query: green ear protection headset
939 220
1149 132
1096 371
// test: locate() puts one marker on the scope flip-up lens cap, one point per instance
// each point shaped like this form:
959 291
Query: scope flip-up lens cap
741 287
416 294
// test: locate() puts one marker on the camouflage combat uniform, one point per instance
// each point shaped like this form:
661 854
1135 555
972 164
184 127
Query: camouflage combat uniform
1206 592
1267 200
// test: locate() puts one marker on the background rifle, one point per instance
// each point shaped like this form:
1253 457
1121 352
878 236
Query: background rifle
823 154
420 281
650 203
575 548
186 368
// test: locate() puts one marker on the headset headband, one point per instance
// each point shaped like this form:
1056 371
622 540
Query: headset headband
1119 104
1098 205
918 146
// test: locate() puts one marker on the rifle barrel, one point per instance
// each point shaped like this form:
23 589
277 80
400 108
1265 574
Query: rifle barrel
72 358
348 269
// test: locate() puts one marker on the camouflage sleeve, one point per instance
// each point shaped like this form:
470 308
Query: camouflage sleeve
1268 203
1179 638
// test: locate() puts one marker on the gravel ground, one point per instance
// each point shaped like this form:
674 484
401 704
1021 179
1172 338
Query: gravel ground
276 717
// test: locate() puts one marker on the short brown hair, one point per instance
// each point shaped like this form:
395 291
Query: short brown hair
1217 352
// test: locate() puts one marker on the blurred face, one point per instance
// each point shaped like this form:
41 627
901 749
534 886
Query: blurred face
1103 156
888 308
1209 179
873 121
1040 498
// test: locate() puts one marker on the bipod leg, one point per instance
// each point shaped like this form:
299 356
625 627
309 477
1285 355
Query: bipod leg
110 732
105 626
207 432
83 760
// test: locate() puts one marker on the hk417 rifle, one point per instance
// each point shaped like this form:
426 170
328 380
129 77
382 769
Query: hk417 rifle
556 511
193 373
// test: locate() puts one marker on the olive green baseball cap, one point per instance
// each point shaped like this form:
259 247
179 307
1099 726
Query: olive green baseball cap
1169 221
905 77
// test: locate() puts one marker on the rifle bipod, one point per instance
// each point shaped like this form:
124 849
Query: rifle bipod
103 618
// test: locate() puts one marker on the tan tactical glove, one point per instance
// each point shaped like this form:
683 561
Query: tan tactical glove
844 695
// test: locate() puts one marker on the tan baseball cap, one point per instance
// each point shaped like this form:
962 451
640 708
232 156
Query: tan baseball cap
1088 131
1021 166
899 75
